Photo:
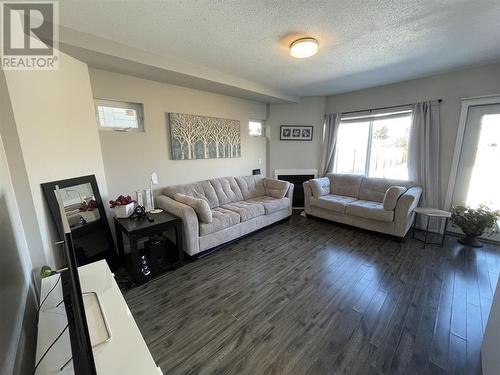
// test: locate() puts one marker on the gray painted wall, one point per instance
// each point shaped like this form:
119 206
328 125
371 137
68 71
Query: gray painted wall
129 158
450 87
295 154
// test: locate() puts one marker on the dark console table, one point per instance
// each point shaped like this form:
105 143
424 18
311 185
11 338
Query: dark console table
136 230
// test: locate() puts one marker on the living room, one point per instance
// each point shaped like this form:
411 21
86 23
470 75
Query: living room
250 187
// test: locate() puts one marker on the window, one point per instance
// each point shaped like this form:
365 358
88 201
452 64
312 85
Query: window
121 116
375 146
255 128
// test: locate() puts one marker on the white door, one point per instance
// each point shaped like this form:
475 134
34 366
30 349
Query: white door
478 175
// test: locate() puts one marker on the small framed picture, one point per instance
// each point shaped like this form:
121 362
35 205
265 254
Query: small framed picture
296 133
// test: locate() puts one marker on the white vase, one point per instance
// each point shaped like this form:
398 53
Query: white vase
124 211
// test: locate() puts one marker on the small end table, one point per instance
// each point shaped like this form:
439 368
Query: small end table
137 229
430 213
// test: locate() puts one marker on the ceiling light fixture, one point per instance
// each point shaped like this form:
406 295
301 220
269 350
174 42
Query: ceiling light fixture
304 47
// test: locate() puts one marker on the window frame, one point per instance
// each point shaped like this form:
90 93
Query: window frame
138 107
370 119
262 125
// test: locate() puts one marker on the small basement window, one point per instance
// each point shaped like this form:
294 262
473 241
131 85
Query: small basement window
119 116
255 128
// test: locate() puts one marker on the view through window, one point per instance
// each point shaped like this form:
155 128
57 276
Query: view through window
375 147
255 128
483 181
116 115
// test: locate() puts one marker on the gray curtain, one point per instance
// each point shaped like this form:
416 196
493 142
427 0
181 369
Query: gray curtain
330 131
423 153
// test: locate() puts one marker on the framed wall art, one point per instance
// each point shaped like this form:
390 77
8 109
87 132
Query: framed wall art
202 137
296 133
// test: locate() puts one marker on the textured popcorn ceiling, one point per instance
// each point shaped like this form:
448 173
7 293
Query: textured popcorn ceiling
362 43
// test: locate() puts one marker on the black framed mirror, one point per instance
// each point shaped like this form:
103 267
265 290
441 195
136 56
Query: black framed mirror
86 216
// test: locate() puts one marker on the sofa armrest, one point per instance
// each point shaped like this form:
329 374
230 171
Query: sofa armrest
307 196
404 209
189 221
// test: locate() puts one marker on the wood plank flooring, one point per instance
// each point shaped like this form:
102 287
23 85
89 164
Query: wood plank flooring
312 297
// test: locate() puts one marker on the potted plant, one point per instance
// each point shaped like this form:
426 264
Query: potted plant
474 222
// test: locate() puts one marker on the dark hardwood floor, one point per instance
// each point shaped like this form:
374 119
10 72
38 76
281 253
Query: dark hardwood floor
312 297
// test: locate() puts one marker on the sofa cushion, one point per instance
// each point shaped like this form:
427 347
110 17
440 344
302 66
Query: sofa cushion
200 206
320 186
373 189
251 186
246 210
275 188
391 197
369 210
227 190
202 189
345 184
221 219
332 202
271 204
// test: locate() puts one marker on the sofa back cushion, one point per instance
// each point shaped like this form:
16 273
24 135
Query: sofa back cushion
200 206
202 190
345 184
226 189
373 189
251 186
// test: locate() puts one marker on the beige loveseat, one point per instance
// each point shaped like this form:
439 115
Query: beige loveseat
222 209
377 204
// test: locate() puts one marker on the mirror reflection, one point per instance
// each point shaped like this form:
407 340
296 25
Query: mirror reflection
80 205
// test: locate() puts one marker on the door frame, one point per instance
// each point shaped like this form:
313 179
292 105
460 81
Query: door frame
466 104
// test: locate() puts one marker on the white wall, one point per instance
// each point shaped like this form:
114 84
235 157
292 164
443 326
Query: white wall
16 267
54 116
130 157
450 87
295 154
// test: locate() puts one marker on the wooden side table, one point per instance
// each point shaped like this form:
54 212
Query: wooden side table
138 229
430 213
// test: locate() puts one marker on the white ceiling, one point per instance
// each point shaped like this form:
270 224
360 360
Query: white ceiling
363 43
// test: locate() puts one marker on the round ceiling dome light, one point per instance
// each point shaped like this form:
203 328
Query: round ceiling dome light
304 47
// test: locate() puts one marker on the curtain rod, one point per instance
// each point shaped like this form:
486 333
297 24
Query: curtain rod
392 106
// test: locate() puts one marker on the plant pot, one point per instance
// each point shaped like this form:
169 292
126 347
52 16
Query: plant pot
122 212
470 241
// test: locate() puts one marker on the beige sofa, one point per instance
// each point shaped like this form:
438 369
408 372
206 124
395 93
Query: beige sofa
377 204
222 209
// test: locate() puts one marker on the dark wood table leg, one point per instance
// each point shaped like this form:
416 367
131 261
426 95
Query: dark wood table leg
179 241
136 262
119 242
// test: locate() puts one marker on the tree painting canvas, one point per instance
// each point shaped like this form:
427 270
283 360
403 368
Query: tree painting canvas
202 137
